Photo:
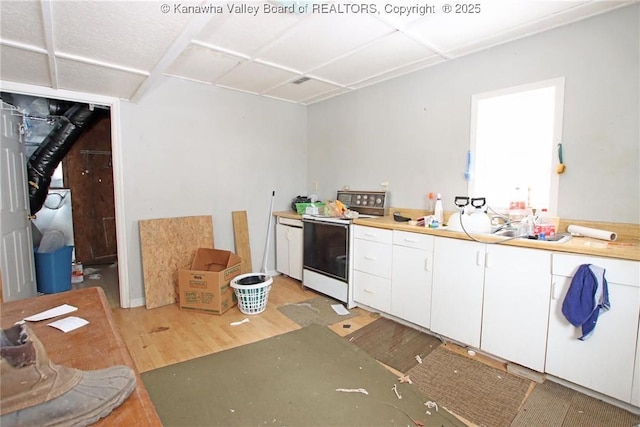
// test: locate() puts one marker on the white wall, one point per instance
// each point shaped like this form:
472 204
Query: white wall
191 149
413 131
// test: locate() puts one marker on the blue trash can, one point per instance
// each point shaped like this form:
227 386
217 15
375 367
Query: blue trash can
53 270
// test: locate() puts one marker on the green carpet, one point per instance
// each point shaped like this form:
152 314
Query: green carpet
288 380
315 310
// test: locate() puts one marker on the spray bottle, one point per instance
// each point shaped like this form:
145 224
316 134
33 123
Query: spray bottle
438 211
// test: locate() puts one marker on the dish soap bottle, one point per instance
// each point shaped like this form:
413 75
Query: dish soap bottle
438 211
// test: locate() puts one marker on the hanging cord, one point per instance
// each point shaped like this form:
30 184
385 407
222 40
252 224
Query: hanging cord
462 208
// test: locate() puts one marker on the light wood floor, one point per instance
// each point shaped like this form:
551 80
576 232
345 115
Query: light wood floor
166 335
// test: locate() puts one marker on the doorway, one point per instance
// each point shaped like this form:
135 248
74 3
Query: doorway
80 201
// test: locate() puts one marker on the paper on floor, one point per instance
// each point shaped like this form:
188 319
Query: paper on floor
69 323
50 314
339 309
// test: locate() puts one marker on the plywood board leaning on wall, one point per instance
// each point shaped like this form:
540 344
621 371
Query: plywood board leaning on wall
241 237
167 245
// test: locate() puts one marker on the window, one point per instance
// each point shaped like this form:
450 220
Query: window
514 140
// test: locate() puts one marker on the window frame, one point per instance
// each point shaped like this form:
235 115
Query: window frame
554 182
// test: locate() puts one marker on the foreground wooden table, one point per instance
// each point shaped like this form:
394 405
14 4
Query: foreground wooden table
94 346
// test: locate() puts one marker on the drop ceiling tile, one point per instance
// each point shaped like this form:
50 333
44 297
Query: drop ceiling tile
385 54
89 78
133 34
445 31
321 38
21 21
202 64
254 77
300 92
23 66
325 96
400 13
245 33
400 72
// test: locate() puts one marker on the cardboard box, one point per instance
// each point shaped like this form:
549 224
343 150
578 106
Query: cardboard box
205 287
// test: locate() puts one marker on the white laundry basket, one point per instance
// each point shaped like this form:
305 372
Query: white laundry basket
252 291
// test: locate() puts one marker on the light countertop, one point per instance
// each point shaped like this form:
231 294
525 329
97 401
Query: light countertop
623 248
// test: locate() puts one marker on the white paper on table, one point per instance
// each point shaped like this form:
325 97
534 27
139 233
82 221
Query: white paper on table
50 314
69 323
339 309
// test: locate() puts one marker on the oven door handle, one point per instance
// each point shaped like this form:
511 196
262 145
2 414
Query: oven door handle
319 221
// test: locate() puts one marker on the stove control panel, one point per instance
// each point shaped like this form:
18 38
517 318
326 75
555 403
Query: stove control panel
366 202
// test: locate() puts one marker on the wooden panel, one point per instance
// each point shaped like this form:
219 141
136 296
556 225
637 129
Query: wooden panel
167 245
88 172
241 237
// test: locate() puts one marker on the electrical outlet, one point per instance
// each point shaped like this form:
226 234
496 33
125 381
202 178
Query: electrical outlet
315 185
384 185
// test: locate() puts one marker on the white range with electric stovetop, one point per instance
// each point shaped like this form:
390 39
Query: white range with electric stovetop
328 244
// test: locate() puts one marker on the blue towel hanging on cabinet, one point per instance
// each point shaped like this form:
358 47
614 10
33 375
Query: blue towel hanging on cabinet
588 294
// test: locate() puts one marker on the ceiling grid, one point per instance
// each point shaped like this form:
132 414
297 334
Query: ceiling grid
122 49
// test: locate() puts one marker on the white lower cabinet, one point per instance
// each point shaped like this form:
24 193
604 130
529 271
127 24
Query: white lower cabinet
372 267
506 301
458 286
411 277
517 288
635 390
605 361
289 247
492 297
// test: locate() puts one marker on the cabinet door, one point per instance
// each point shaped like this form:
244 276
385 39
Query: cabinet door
295 252
517 288
635 391
282 249
458 281
604 362
411 278
289 250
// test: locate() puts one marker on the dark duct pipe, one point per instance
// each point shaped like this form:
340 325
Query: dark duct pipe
44 161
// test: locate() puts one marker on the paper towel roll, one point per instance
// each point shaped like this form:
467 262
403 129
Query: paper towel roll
592 232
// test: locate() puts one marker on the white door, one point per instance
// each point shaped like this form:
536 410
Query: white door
295 252
517 290
458 286
282 249
16 259
411 285
604 361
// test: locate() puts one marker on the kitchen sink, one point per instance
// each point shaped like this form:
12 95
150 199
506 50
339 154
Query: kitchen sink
557 238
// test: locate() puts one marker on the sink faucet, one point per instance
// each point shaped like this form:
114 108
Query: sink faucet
506 222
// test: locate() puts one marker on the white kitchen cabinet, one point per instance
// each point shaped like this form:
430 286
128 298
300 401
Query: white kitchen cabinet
603 362
517 288
635 390
372 267
411 277
458 286
289 247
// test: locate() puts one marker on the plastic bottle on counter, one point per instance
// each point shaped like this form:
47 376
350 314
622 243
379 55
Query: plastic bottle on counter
545 224
517 205
438 210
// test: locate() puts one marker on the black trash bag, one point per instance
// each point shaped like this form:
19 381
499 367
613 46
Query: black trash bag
44 161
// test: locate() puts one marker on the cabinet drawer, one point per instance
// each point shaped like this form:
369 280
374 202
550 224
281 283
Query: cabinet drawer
290 221
413 240
372 291
372 257
373 234
617 270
